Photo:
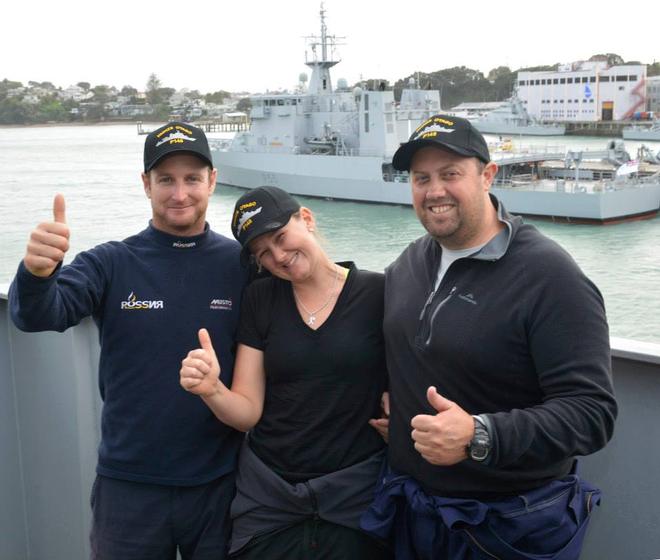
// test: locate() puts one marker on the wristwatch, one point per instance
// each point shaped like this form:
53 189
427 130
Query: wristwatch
479 448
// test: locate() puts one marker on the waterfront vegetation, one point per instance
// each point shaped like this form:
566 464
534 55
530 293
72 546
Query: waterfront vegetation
44 102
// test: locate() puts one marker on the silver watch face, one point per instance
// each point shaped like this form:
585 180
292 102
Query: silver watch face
480 444
479 451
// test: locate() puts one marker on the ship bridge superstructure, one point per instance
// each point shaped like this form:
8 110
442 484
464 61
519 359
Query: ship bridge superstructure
323 120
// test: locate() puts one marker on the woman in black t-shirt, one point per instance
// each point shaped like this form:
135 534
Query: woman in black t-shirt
307 385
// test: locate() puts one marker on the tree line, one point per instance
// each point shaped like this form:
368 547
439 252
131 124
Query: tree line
43 102
456 85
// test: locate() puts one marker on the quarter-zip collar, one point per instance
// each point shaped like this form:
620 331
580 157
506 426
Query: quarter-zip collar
175 242
492 251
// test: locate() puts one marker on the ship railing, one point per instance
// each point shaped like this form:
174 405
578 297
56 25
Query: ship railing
523 157
507 146
219 144
344 151
336 108
49 436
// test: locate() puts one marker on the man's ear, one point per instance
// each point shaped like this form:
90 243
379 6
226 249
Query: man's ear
213 178
489 173
146 182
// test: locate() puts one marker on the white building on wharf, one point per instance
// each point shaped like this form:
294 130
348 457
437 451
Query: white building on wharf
584 91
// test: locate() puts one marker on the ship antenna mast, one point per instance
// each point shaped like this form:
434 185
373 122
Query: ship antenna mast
320 81
324 30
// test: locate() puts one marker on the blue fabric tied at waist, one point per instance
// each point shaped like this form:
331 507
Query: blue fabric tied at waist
547 523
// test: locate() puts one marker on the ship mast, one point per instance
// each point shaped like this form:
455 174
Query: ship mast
320 82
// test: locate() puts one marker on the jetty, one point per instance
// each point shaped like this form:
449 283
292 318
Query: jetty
211 125
607 129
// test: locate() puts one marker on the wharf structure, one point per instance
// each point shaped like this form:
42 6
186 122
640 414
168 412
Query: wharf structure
229 122
584 91
653 94
50 428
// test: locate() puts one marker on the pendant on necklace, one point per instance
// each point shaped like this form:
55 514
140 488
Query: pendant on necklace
311 320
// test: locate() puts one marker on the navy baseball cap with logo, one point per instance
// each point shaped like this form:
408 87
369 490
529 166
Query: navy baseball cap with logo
446 131
261 210
172 138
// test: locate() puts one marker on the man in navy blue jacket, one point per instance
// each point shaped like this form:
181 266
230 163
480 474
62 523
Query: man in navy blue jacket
165 468
498 354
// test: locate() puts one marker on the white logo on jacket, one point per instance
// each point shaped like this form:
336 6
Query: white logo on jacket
132 303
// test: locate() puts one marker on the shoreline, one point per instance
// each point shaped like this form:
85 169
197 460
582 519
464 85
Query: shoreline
99 123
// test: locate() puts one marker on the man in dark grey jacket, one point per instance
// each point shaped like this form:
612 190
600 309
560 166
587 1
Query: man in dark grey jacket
499 361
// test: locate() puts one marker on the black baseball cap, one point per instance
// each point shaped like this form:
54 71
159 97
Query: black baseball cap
261 210
452 133
175 137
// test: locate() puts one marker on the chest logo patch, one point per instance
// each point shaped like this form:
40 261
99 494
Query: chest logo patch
469 298
133 303
221 304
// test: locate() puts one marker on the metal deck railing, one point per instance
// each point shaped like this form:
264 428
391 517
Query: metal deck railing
49 418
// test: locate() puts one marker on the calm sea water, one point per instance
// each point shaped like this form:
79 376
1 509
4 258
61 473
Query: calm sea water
97 169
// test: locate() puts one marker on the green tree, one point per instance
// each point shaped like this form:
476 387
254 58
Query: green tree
503 81
161 112
244 105
153 93
455 84
50 109
612 59
543 68
101 93
12 111
6 85
84 86
217 97
653 69
165 93
128 91
95 112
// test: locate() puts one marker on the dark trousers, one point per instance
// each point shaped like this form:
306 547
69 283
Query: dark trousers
314 539
138 521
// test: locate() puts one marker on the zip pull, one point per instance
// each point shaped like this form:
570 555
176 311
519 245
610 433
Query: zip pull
428 301
435 312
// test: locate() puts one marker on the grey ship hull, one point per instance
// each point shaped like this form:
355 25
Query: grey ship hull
648 134
323 176
359 178
494 127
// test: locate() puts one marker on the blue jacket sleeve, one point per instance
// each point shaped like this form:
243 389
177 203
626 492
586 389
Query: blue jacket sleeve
62 300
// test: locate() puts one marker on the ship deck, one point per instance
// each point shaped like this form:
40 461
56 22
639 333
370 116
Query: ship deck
49 432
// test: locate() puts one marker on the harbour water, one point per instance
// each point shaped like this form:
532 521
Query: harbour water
97 169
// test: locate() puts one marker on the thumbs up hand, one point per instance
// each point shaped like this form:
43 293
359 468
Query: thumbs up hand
442 438
48 243
200 369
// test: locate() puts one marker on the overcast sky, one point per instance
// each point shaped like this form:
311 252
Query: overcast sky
258 45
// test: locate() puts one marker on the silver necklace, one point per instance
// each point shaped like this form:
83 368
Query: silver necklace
312 314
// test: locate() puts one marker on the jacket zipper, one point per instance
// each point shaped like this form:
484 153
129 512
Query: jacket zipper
426 339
